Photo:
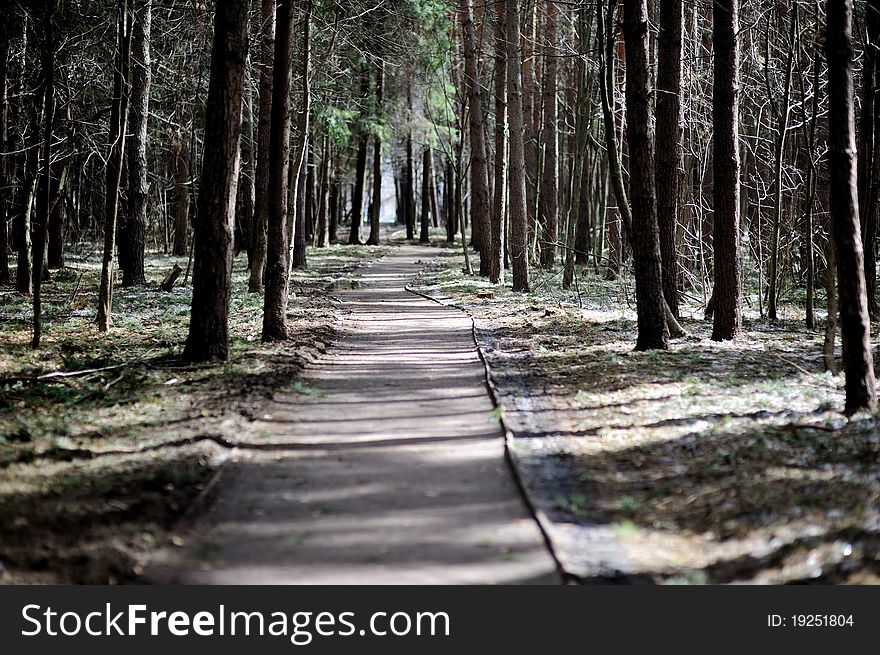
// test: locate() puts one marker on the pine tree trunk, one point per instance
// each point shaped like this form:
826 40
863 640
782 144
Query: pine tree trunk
645 238
668 145
6 194
118 126
133 226
264 137
277 271
218 186
180 172
321 231
519 242
855 330
499 200
409 192
868 147
425 231
244 203
360 173
549 196
725 162
41 215
480 217
376 203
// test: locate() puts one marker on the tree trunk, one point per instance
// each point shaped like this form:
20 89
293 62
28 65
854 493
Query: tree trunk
499 200
57 222
180 164
321 233
133 225
409 192
782 117
425 231
855 331
868 147
668 145
41 216
725 161
480 217
645 238
334 205
519 242
264 137
360 173
6 194
376 202
118 126
549 196
296 227
244 203
277 271
213 237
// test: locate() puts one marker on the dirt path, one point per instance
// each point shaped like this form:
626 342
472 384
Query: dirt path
388 469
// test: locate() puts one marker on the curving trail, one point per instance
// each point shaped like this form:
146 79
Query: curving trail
390 469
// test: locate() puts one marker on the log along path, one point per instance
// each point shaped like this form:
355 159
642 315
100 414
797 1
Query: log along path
390 469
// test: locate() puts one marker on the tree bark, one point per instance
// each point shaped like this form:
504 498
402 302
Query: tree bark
360 173
653 333
861 391
6 194
549 196
180 172
425 231
218 186
41 216
118 126
499 200
519 241
244 203
725 161
132 228
480 217
264 137
376 203
869 153
277 270
668 144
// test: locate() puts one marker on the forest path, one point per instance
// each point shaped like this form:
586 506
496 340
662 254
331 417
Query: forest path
389 469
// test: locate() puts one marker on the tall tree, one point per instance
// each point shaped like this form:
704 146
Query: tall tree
477 131
425 218
861 393
869 153
653 333
118 127
264 136
360 174
376 202
519 241
549 203
41 221
6 26
499 198
208 337
277 271
668 143
132 227
726 162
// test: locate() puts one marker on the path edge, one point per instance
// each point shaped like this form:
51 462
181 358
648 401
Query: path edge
510 456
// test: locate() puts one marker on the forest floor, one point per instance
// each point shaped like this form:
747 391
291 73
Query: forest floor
96 465
710 463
